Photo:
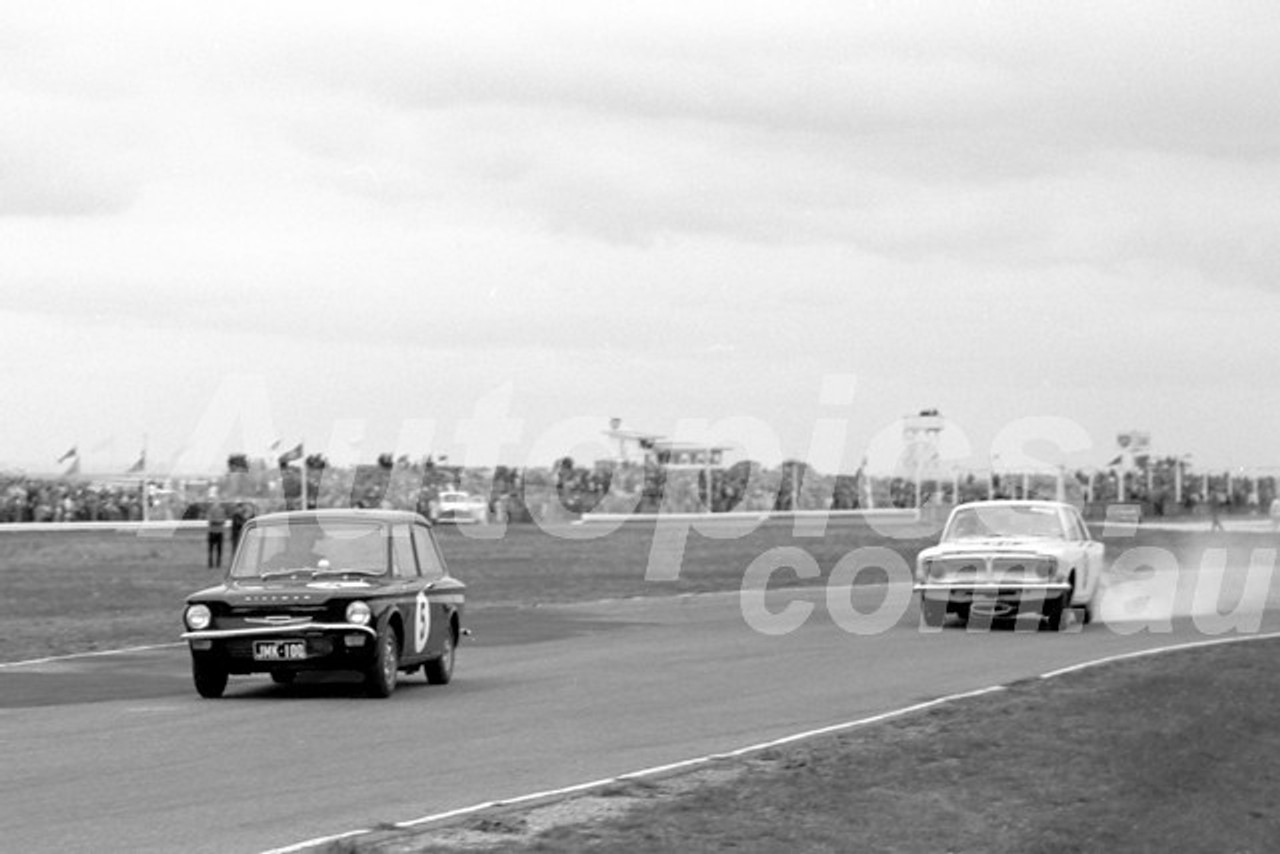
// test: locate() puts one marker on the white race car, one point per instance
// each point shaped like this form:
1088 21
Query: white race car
1000 558
460 508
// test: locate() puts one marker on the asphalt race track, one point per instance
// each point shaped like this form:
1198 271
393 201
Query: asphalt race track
117 753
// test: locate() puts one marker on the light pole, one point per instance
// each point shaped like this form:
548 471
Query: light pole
1179 472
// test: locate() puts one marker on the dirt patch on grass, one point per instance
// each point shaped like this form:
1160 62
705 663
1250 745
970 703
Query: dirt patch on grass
1177 752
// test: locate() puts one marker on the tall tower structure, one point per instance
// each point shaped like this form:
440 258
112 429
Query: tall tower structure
920 446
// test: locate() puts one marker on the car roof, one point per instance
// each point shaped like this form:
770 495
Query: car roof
338 514
1026 502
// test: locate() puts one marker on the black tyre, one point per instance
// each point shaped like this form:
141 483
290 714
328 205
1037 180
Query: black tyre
380 679
1057 612
933 612
210 676
440 670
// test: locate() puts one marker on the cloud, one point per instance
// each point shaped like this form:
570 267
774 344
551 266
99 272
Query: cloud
931 132
657 191
65 158
912 130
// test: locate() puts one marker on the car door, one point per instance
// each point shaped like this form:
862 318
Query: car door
1093 554
410 594
441 590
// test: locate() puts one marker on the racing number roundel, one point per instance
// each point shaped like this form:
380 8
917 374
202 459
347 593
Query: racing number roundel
421 622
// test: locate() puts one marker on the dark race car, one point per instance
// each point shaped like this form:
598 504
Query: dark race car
353 590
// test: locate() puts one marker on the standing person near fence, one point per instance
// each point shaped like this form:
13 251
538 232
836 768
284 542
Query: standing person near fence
217 520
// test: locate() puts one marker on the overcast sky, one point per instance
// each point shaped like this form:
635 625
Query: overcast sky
482 229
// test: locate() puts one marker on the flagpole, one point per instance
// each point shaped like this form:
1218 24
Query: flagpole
146 499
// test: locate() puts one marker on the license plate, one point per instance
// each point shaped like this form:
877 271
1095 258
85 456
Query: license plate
279 650
983 602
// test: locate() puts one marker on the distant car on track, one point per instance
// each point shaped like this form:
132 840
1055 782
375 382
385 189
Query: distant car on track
355 590
1002 558
460 508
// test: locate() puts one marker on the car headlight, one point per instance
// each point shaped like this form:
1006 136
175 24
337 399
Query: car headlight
358 613
198 617
1049 569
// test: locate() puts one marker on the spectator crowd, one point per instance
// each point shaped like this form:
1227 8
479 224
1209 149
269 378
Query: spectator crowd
27 499
566 490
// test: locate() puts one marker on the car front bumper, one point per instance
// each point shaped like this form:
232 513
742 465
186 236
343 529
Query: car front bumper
938 590
995 599
328 646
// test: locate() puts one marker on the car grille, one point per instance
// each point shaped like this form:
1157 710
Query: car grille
979 569
1021 568
959 569
258 617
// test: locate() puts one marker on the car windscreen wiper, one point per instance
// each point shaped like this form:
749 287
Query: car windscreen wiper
280 573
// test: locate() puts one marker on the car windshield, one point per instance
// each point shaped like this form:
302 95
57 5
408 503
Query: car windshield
312 548
1004 521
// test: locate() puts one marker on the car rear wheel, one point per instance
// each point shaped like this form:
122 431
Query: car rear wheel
440 670
380 678
209 675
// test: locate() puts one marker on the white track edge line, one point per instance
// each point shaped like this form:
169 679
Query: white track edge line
1085 665
654 771
755 748
91 654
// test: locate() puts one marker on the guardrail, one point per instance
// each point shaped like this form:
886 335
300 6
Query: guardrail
898 514
152 528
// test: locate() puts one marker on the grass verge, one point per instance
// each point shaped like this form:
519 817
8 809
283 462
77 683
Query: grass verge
67 592
1176 752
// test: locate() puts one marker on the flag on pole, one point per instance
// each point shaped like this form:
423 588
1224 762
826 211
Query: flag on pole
140 466
72 454
294 453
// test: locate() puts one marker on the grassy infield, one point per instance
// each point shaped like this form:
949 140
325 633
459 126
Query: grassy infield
1173 753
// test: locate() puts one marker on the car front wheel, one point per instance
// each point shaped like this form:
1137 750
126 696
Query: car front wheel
380 679
933 612
440 670
210 676
1057 612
